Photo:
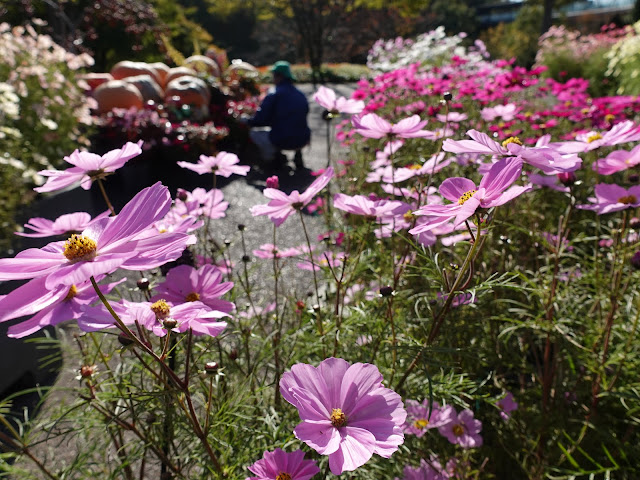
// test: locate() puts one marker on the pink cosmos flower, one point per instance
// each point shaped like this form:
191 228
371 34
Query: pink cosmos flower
191 315
325 97
617 161
67 223
345 410
390 174
327 259
431 470
223 164
462 429
270 251
88 167
382 156
279 465
361 205
506 112
622 132
454 117
507 404
613 198
543 157
48 306
494 190
283 205
103 247
373 126
187 284
547 181
422 417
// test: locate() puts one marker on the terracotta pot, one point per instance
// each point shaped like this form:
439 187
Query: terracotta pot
117 94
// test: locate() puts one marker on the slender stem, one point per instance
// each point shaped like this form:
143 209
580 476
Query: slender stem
18 445
313 264
106 198
276 338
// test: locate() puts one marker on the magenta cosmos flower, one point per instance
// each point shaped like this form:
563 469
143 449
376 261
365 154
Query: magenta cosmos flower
422 417
280 465
543 157
622 132
617 161
494 190
325 97
187 284
462 429
192 315
345 410
507 405
67 223
224 164
613 198
105 246
373 126
283 205
48 307
88 167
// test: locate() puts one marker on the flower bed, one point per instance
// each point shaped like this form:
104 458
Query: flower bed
473 310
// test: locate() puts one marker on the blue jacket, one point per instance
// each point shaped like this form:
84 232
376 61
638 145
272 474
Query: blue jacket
285 111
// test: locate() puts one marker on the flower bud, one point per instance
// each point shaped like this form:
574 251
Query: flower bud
635 260
233 354
241 227
447 96
386 291
143 284
211 367
169 323
124 340
273 182
567 178
246 258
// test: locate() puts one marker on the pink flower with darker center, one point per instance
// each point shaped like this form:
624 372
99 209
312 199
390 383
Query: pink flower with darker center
88 167
105 246
282 205
280 465
47 306
494 190
424 416
64 224
345 410
617 161
186 284
224 164
622 132
613 198
325 97
540 156
373 126
462 429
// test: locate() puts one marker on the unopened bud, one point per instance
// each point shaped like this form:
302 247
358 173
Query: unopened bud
233 354
386 291
447 96
273 182
143 284
567 178
635 260
241 227
211 367
169 323
124 340
246 258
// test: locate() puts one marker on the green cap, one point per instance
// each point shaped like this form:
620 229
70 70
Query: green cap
283 68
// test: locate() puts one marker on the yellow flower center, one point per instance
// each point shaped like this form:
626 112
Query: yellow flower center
415 166
466 196
421 423
192 297
80 248
73 291
509 140
283 476
458 430
628 199
593 137
408 216
161 308
338 418
609 117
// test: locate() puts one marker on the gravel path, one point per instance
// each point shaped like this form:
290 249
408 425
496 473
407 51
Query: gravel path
16 356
